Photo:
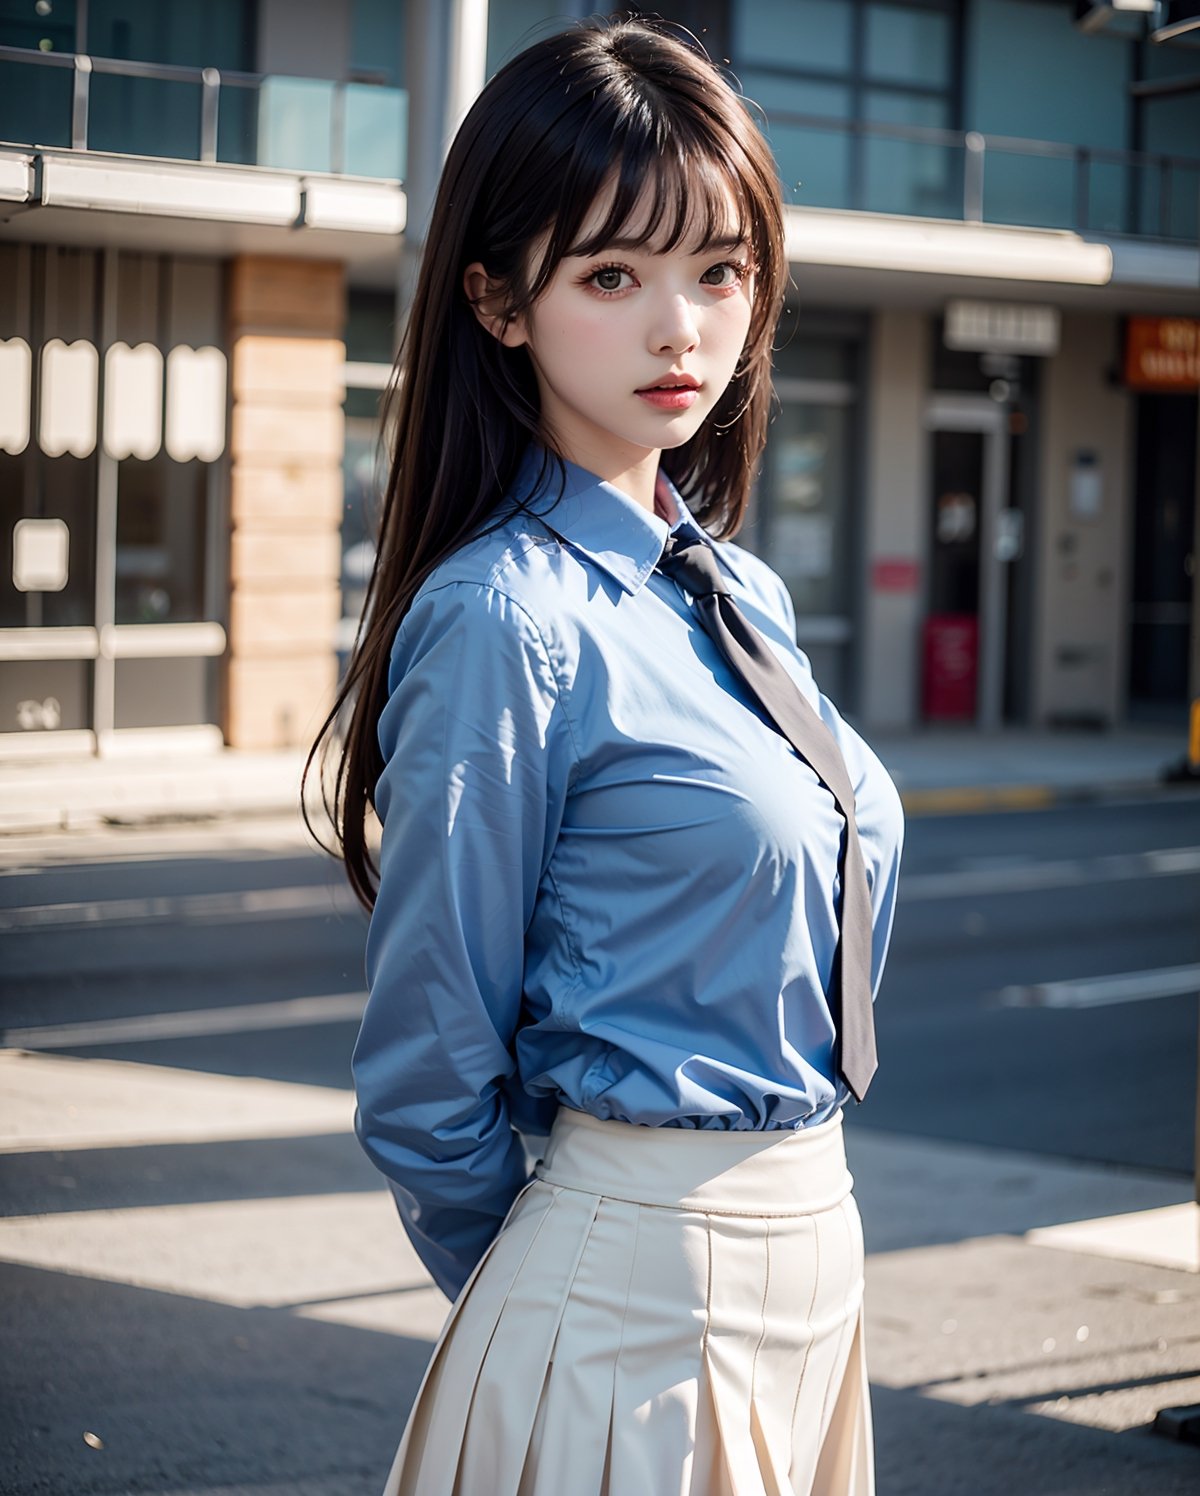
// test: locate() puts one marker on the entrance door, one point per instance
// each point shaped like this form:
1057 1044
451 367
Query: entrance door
972 536
1163 551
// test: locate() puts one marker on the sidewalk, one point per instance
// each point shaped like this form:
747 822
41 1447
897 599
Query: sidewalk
938 771
1011 1349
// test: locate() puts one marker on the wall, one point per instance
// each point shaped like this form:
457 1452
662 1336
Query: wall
897 501
286 443
1081 621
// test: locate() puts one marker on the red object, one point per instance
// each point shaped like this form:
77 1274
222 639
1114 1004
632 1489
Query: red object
895 574
951 666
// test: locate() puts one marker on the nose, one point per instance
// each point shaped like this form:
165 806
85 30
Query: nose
675 329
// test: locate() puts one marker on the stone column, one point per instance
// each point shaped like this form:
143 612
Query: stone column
286 442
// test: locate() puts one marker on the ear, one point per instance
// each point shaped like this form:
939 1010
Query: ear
484 295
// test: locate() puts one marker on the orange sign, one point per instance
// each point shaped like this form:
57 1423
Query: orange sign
1162 353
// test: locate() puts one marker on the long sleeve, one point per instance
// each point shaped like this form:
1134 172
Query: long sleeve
476 760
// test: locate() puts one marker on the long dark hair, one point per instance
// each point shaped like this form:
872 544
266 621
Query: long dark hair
603 103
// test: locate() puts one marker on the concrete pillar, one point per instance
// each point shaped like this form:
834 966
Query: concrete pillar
897 506
446 66
1081 623
286 443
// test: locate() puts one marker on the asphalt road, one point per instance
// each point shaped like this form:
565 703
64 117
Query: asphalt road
975 1044
134 1361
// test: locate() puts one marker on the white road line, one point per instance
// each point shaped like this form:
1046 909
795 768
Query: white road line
296 1012
975 882
253 903
1101 992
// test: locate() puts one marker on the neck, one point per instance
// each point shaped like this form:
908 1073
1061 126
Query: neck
633 472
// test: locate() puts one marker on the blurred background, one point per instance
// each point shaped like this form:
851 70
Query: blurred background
981 483
981 488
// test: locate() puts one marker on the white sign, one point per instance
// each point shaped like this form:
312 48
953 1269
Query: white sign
1001 327
40 555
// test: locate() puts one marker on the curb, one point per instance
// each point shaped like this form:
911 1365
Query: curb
975 799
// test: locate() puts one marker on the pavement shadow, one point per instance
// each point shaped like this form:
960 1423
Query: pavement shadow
926 1447
46 1183
187 1394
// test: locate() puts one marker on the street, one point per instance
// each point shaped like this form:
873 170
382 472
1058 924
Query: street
206 1287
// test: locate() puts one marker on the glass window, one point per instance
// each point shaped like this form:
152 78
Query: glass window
191 33
377 40
814 163
34 486
35 100
160 541
804 34
905 176
807 467
906 45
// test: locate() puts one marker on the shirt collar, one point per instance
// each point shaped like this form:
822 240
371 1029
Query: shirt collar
603 522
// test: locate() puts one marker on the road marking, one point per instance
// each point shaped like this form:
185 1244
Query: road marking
975 882
187 908
1101 992
296 1012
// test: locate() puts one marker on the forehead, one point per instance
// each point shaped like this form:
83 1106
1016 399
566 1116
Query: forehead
670 209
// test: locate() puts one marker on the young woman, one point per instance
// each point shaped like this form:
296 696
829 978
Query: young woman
608 921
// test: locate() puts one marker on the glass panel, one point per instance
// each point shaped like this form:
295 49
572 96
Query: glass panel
807 357
189 33
1109 198
67 485
21 25
908 46
376 131
807 468
295 124
809 34
35 103
161 693
237 124
908 177
43 695
1034 190
160 541
814 164
377 39
144 116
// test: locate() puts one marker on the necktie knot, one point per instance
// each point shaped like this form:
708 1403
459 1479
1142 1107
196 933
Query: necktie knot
693 563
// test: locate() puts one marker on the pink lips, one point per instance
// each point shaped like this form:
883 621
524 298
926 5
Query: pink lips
672 394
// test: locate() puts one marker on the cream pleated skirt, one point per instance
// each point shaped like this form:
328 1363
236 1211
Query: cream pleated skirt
665 1312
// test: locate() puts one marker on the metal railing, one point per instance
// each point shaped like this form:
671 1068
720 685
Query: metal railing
961 175
359 128
238 117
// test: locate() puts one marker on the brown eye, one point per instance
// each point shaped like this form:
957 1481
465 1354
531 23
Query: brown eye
727 273
608 278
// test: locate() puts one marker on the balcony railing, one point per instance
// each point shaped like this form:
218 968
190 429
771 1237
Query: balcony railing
928 172
76 102
73 101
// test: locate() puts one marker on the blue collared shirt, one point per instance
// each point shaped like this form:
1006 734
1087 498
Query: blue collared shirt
606 880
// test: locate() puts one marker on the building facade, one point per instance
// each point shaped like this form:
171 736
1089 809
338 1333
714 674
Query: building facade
980 484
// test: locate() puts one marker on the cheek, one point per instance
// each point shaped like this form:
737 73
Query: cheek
566 339
733 325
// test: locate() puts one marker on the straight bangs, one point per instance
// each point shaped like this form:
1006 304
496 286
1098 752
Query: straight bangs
670 185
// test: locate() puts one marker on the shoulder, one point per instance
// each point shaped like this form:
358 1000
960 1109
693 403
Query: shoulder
484 601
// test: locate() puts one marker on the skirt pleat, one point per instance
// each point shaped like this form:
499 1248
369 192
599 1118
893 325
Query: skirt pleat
610 1345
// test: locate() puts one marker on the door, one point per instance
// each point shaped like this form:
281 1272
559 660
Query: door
972 537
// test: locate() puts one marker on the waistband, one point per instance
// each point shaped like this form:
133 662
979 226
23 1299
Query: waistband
783 1172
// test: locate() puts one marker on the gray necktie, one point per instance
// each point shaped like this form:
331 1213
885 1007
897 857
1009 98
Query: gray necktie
693 563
